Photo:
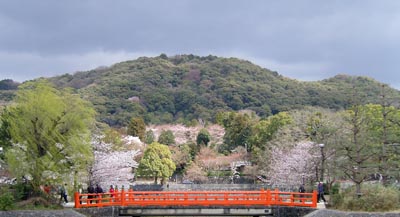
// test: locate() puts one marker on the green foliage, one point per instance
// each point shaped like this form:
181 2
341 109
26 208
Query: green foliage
149 137
334 190
358 151
375 198
264 130
156 162
203 137
187 87
112 136
285 130
246 130
335 197
50 131
166 137
6 96
194 149
5 135
22 190
8 84
218 173
181 155
137 127
6 201
237 130
383 127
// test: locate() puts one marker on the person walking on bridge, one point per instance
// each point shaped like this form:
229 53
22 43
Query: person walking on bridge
99 190
302 190
111 192
90 191
321 192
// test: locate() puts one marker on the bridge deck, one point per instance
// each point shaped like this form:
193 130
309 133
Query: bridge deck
229 199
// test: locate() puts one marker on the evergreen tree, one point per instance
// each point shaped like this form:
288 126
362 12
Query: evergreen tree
137 127
237 131
166 137
156 162
358 153
149 137
203 137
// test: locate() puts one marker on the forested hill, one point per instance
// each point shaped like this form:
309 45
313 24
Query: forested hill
187 87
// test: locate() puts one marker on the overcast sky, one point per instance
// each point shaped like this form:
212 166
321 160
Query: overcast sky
305 40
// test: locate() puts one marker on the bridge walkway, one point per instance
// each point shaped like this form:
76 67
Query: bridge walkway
197 198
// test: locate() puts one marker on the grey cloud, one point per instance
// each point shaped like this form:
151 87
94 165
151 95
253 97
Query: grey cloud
356 37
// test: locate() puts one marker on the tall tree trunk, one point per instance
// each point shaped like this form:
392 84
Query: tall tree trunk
358 189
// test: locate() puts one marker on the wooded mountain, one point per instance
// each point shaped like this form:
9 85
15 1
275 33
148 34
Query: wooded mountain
184 88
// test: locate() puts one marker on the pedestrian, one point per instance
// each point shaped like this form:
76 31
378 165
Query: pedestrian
99 190
321 192
302 190
46 189
111 190
90 191
63 193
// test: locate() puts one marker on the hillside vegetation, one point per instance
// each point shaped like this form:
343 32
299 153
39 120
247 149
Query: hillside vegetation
197 118
186 88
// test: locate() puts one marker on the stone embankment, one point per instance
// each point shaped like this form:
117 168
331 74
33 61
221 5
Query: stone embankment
336 213
42 213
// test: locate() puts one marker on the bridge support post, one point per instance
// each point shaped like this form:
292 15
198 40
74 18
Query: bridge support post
185 196
276 193
314 198
99 200
130 195
77 200
123 202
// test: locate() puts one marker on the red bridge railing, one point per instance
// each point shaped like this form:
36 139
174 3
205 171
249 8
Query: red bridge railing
196 198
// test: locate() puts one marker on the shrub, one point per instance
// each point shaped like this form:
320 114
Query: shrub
335 196
22 191
334 189
166 137
149 137
203 137
374 198
6 201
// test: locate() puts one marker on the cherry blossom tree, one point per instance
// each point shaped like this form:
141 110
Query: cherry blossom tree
196 174
113 167
290 166
209 160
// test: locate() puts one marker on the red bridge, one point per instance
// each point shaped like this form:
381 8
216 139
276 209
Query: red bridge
196 198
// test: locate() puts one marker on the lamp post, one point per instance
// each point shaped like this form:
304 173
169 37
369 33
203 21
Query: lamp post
322 161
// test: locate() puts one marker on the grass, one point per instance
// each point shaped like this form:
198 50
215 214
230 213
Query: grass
37 203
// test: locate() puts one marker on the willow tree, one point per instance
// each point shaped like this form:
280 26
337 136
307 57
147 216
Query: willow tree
50 133
156 162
